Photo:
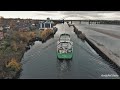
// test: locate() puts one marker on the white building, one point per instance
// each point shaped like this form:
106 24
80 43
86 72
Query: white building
46 24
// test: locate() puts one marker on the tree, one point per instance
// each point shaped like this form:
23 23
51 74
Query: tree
1 20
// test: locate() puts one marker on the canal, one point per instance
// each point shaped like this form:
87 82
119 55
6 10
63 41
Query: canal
40 62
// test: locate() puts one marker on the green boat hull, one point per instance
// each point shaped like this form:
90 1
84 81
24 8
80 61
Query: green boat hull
64 55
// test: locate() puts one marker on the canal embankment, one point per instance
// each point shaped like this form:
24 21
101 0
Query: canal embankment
100 49
13 48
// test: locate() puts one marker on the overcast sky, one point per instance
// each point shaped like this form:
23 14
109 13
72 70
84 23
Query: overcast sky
110 15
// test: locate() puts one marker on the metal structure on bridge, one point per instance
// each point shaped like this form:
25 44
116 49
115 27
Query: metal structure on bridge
112 22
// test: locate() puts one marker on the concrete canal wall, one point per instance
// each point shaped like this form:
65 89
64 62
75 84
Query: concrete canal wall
102 51
105 53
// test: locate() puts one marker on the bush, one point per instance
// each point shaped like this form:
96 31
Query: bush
13 65
4 45
32 34
14 46
23 37
45 33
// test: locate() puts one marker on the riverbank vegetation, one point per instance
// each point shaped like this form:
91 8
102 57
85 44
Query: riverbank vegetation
45 33
12 49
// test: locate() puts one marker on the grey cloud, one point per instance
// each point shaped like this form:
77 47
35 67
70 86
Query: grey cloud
82 14
91 14
46 12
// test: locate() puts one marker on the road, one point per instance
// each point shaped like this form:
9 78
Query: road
41 62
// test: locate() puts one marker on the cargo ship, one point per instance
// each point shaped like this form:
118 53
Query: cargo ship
64 47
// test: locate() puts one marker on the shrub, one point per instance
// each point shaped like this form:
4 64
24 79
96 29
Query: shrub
14 46
32 34
13 65
45 33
